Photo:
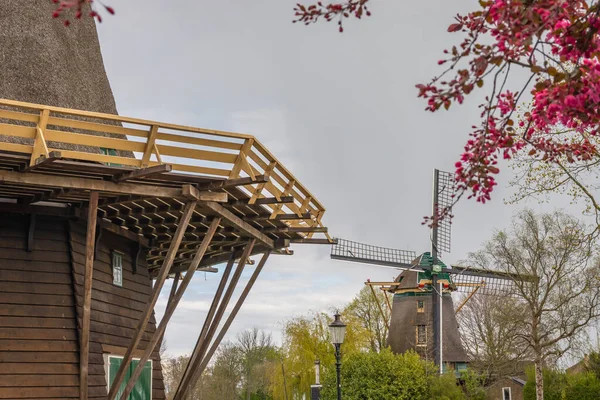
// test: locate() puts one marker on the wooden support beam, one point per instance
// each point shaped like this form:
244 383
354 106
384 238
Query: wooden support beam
239 224
160 280
241 158
142 173
279 217
150 146
227 183
40 147
212 325
314 241
230 319
259 188
264 200
286 191
126 188
387 324
31 232
295 229
207 321
84 342
387 300
170 309
42 161
191 193
468 297
117 230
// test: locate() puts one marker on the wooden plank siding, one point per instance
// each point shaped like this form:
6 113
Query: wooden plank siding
41 305
38 332
115 310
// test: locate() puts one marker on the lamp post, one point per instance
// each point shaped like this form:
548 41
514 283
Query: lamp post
338 330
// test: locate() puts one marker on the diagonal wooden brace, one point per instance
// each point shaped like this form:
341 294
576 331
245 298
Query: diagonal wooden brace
171 308
181 392
160 280
230 319
207 321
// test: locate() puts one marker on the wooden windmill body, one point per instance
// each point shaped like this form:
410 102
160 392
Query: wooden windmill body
423 316
93 220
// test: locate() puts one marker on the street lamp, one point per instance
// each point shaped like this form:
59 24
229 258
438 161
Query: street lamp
338 330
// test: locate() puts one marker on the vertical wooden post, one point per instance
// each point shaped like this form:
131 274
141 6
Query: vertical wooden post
160 280
217 319
84 344
162 326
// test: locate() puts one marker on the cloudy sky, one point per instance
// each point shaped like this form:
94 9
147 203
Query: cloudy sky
339 110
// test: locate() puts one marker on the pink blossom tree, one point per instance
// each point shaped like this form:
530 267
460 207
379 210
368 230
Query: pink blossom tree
550 122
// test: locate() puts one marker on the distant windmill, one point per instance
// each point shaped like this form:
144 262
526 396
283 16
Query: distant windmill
422 292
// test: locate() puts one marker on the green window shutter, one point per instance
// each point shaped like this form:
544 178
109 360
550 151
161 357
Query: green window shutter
143 387
115 363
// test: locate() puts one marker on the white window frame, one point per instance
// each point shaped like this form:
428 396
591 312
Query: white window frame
116 282
509 393
107 358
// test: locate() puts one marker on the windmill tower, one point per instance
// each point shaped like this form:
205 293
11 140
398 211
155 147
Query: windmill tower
98 210
422 313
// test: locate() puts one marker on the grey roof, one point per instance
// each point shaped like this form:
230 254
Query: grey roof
518 380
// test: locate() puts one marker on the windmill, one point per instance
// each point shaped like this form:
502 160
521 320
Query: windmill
428 280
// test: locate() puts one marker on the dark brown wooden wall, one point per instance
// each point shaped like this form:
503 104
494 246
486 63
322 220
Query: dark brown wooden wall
39 350
115 310
41 304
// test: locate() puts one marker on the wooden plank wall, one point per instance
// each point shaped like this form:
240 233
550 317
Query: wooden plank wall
39 356
115 310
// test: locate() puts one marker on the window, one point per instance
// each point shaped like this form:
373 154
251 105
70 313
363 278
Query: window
420 306
506 395
421 335
143 387
117 268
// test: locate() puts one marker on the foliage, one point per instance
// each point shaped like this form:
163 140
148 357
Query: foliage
554 384
79 7
386 375
582 386
306 339
366 311
473 385
443 387
560 386
593 364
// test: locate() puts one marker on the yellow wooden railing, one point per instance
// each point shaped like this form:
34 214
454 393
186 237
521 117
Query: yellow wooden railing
188 150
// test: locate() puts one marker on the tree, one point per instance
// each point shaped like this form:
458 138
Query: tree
493 346
305 340
550 118
386 375
367 312
553 389
556 280
256 349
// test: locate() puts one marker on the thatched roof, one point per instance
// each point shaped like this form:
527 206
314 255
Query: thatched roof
44 62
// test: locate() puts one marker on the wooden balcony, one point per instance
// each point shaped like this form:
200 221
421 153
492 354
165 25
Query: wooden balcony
145 172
